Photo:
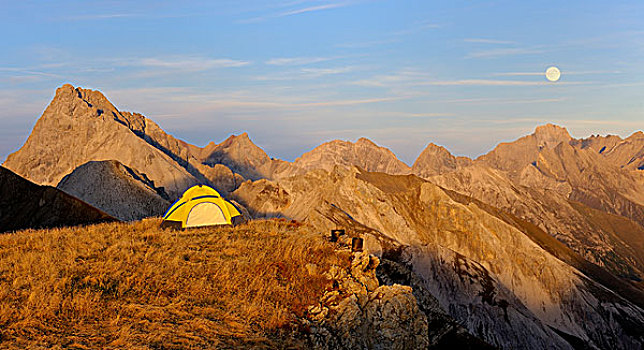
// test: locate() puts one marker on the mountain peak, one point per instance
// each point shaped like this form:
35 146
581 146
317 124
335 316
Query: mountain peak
68 96
363 153
364 140
436 160
550 135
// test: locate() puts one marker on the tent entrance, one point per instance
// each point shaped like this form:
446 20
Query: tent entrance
205 214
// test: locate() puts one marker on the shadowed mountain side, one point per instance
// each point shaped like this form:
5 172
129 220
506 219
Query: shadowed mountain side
24 204
116 189
478 266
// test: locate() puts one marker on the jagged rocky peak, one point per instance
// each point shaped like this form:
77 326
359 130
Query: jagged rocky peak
241 155
363 153
437 160
68 95
550 135
514 156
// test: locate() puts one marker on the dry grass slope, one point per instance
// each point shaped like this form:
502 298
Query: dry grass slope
133 285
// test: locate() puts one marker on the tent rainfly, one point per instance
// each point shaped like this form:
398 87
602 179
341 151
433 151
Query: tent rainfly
200 206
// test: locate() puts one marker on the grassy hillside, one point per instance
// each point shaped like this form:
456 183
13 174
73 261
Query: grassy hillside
133 285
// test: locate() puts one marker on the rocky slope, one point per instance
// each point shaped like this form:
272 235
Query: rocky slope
614 246
116 189
488 274
24 204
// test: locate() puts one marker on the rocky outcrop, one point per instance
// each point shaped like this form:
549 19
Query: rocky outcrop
361 314
24 204
363 153
116 189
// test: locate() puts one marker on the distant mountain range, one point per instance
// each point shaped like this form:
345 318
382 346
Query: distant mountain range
536 244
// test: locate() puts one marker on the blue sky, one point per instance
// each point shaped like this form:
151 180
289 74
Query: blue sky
296 73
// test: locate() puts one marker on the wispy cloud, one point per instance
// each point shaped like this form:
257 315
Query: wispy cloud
417 27
365 44
108 16
488 41
318 72
298 11
296 61
517 74
403 77
485 82
184 63
312 9
428 115
90 17
589 72
307 73
493 53
501 100
28 71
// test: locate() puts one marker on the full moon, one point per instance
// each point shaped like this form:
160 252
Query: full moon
553 74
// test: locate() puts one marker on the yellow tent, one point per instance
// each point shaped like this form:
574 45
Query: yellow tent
200 206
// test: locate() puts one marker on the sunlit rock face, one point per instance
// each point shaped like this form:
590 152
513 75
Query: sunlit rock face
537 244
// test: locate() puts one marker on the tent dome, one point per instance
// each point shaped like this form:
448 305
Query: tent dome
200 206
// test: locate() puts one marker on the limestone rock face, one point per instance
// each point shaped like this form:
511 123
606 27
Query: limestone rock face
487 270
116 189
24 204
436 160
363 153
361 314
